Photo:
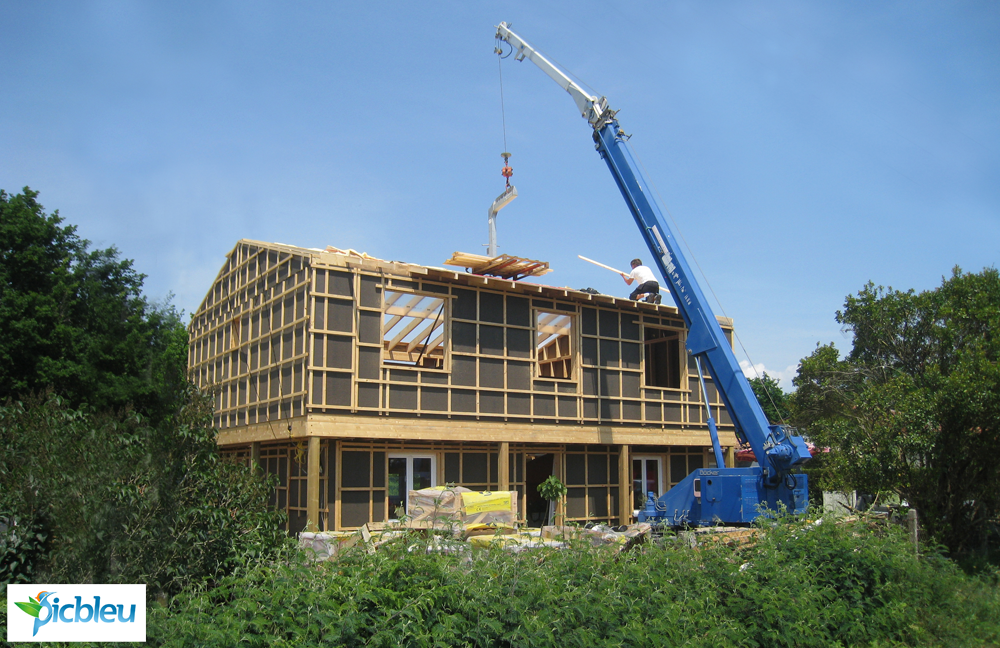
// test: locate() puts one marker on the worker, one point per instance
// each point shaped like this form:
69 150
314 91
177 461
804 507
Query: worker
648 285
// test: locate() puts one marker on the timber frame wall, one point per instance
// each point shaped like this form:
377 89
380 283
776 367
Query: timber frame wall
316 358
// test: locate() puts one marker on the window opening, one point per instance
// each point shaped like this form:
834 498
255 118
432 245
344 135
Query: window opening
663 358
413 330
408 472
553 346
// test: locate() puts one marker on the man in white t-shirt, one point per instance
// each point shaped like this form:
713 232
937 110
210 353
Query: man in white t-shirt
648 285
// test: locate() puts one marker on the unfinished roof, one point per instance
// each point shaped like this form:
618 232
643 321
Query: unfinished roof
348 258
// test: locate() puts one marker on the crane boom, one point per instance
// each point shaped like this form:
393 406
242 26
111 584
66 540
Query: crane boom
592 109
707 496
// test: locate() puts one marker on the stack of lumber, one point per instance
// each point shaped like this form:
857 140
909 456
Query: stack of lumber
504 266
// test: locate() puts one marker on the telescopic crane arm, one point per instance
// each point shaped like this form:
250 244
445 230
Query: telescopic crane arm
735 494
592 109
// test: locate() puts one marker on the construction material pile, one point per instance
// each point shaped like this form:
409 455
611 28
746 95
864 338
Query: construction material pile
447 507
459 519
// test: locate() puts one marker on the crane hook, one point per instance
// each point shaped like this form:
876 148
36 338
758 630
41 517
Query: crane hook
507 171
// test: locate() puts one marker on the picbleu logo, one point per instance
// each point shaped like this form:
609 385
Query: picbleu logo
79 612
43 611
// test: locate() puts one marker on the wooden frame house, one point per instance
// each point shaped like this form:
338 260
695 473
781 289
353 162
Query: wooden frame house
354 380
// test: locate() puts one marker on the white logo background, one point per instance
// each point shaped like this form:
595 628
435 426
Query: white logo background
20 624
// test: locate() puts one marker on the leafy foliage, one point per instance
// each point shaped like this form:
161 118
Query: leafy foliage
23 543
75 320
110 471
800 584
552 488
123 502
914 408
772 398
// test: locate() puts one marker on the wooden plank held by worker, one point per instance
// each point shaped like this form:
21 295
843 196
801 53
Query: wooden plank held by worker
598 263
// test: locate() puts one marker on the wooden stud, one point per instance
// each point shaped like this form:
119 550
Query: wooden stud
312 485
503 466
624 485
335 446
255 458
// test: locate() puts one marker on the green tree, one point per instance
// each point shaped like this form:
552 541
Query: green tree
914 408
109 470
117 501
75 319
772 398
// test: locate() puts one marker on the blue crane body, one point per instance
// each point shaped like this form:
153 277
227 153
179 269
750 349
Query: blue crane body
707 496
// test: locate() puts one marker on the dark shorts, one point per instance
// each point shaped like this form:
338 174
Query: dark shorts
651 287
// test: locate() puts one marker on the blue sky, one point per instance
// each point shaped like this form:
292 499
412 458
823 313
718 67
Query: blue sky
802 148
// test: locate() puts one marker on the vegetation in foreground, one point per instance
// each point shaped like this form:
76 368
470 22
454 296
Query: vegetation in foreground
800 584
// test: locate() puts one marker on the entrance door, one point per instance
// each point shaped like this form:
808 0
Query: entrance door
647 476
538 468
408 472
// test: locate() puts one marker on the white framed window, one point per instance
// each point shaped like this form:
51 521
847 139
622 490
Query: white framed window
647 476
408 471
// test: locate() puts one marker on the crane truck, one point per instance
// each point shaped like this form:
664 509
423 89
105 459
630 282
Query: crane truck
708 496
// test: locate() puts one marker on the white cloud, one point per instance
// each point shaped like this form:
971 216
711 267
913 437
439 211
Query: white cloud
784 377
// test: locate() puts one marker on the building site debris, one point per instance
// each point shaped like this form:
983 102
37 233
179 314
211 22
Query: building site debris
460 538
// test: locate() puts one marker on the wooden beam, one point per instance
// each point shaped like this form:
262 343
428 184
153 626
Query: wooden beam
387 326
334 506
255 458
408 310
624 485
559 471
389 301
435 343
312 485
391 344
419 339
503 466
345 426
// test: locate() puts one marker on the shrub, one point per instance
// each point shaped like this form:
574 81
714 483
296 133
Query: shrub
799 585
119 501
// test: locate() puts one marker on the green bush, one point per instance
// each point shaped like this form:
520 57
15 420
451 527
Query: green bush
23 543
798 585
117 501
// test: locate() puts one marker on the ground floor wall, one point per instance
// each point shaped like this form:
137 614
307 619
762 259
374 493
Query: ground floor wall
335 484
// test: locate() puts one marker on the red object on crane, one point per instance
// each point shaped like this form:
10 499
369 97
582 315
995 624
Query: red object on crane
746 454
507 171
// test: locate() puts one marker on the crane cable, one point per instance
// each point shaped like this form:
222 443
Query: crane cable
507 171
503 115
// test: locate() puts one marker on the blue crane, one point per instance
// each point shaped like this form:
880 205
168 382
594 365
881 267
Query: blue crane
708 496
